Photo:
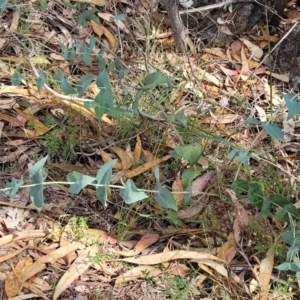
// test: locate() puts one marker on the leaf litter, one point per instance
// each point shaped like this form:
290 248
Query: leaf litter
27 117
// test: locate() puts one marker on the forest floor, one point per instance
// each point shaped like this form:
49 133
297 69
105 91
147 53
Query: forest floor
130 171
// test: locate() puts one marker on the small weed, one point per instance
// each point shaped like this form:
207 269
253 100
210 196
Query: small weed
79 227
178 288
61 142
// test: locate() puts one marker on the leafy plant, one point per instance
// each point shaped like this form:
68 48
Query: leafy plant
77 181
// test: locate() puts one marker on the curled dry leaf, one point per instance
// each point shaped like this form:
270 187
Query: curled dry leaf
106 157
228 249
147 240
126 160
107 17
101 30
242 218
200 183
214 265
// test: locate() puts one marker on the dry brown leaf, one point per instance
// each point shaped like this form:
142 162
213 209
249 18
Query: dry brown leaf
80 265
228 249
20 60
177 187
214 265
147 166
42 284
107 17
282 77
200 183
217 52
266 267
224 119
254 49
96 2
13 121
13 254
137 149
147 240
176 268
35 290
172 255
138 272
106 157
126 160
241 219
101 30
147 155
38 126
190 212
16 236
14 282
51 258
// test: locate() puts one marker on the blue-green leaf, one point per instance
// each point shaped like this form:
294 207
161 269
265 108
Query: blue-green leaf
84 83
43 5
103 178
240 186
155 79
106 94
36 191
287 213
131 194
292 104
265 209
274 131
291 238
174 218
79 181
256 193
136 101
14 186
120 17
163 196
292 253
17 78
59 77
3 4
41 80
180 118
69 53
88 15
188 175
253 121
239 155
101 63
288 267
86 55
112 66
37 167
191 152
